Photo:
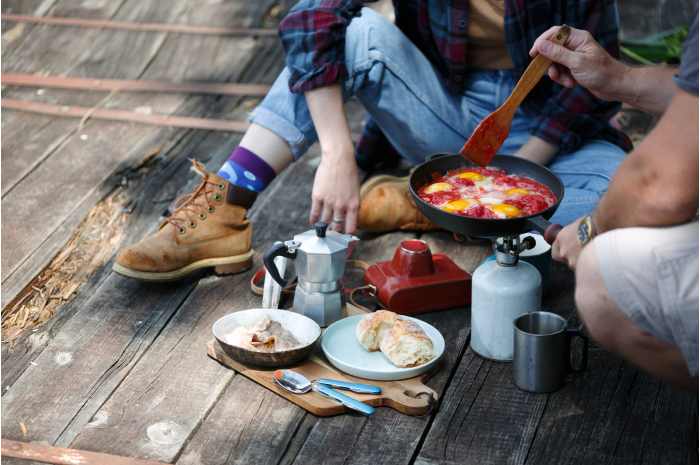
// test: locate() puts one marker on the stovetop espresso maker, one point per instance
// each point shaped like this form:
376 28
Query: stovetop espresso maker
319 258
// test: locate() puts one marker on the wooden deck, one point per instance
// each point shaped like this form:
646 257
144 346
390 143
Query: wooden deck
121 367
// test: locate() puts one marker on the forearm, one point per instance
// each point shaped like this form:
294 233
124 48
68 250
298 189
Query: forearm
648 88
327 112
537 150
657 184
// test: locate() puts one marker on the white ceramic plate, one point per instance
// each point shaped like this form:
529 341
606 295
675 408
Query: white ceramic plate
341 348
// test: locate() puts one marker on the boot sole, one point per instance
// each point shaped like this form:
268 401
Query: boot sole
222 266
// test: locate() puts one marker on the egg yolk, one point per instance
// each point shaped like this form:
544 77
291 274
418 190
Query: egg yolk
517 191
458 205
509 211
438 187
471 176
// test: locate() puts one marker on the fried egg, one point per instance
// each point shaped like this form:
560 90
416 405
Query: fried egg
517 191
505 210
472 176
458 205
438 187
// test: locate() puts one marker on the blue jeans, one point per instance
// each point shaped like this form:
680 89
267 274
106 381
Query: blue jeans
407 98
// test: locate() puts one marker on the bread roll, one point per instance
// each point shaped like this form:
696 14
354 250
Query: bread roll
406 344
372 328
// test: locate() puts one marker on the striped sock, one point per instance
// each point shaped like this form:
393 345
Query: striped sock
247 170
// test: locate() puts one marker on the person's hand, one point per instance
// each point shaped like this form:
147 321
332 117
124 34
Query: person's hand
335 197
566 247
581 60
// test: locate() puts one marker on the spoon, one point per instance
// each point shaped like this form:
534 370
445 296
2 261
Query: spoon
297 383
489 135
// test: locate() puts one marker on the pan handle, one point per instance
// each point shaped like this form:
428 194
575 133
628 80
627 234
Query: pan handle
438 155
548 230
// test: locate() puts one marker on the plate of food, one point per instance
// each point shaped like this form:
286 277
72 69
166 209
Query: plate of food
266 337
382 346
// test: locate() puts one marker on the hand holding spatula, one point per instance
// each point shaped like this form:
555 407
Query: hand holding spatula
489 135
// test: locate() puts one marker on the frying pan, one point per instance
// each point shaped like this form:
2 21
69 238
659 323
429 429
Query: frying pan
488 227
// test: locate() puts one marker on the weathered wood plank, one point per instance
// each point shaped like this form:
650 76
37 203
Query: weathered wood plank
72 157
14 34
615 414
89 156
171 397
256 430
88 358
149 191
47 50
484 418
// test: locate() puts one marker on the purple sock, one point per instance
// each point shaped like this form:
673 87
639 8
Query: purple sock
247 170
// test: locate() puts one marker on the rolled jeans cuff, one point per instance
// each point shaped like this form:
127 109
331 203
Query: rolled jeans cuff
297 141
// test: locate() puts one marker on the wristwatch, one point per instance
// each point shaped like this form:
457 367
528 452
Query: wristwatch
586 230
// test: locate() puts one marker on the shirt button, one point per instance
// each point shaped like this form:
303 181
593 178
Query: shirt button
462 23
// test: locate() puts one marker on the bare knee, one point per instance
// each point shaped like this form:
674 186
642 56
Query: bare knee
594 306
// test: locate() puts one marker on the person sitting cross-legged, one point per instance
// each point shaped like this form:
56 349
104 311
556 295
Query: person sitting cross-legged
636 255
426 82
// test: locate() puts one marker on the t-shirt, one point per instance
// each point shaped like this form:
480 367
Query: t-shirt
487 38
687 77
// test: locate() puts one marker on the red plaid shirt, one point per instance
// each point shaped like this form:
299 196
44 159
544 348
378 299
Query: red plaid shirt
313 35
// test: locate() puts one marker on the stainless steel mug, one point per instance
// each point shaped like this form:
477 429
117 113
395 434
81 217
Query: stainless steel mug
542 351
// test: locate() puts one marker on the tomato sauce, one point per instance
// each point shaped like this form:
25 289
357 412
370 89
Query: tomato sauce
487 193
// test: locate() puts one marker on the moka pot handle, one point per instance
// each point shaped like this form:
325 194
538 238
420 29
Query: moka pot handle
278 249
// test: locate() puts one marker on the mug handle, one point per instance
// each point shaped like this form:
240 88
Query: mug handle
578 332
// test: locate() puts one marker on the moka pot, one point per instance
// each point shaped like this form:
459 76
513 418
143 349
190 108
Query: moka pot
319 258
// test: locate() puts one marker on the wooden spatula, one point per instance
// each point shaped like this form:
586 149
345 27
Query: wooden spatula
489 135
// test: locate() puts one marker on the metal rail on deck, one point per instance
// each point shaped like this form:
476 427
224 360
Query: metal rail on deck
133 85
143 27
124 115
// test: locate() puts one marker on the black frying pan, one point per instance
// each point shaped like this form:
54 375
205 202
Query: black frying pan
488 227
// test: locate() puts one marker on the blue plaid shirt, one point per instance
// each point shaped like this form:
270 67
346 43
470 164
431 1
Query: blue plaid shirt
313 35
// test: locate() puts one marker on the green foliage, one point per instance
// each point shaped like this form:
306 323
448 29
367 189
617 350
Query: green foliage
665 47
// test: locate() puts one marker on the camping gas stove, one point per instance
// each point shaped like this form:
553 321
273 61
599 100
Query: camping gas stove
502 290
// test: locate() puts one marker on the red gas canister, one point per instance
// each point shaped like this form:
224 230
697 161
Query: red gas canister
417 281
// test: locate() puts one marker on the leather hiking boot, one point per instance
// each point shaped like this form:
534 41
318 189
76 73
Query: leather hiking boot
386 205
208 228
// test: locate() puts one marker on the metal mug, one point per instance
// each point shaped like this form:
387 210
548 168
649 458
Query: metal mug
542 351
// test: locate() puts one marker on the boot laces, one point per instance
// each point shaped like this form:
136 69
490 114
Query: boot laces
186 205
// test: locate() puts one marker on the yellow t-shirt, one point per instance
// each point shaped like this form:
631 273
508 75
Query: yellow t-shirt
487 38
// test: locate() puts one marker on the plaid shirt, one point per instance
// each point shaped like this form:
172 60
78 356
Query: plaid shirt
313 35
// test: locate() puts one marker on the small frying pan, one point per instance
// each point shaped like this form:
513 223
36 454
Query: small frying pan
488 227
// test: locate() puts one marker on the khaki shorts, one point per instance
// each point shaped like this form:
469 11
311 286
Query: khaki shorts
652 276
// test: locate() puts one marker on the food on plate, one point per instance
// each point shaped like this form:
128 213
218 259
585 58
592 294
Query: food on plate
407 345
487 193
265 335
372 328
403 342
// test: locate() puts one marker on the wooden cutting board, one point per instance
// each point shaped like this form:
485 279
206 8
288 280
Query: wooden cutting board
408 396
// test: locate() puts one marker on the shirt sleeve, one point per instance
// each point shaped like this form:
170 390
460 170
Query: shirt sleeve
569 117
313 37
687 77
